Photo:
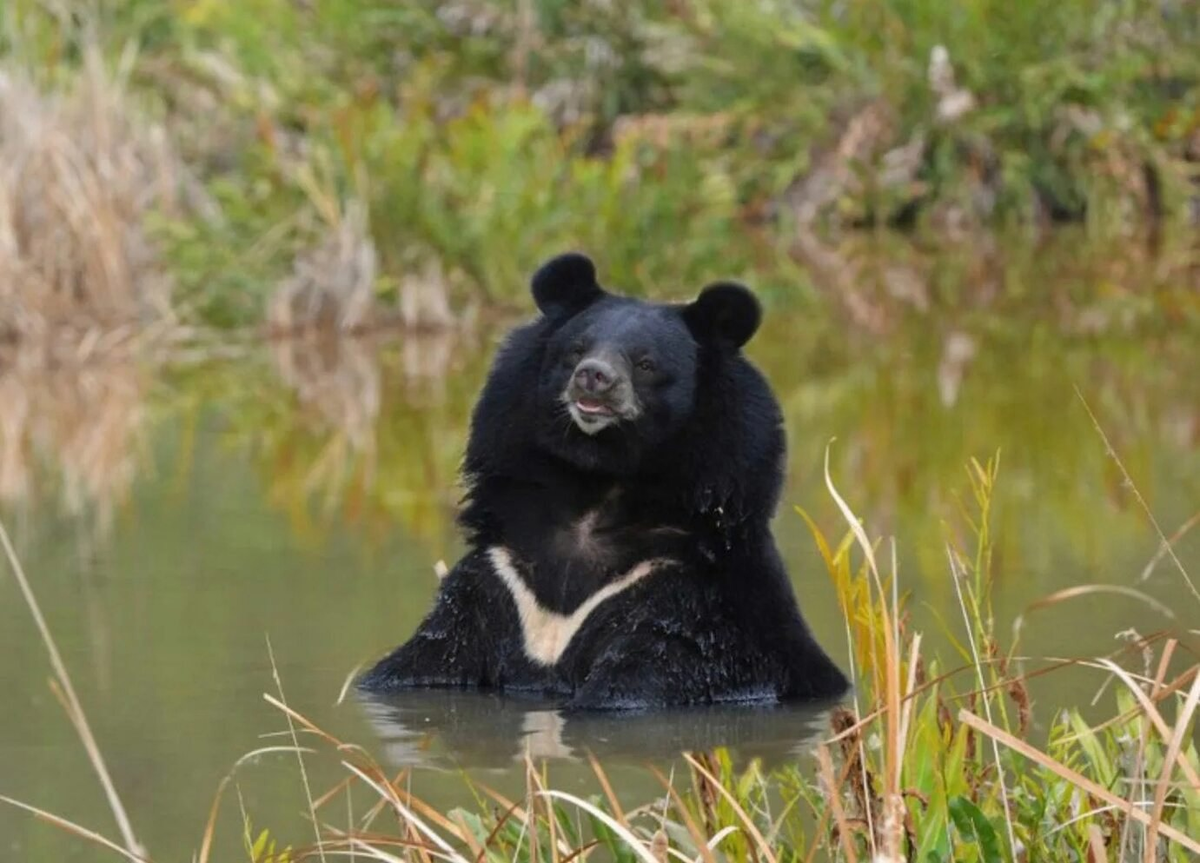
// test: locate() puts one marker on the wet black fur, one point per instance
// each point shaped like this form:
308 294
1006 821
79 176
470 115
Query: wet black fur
695 479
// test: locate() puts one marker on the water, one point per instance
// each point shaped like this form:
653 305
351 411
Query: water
172 520
442 730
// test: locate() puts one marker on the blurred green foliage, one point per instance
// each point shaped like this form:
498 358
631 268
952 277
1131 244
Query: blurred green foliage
673 139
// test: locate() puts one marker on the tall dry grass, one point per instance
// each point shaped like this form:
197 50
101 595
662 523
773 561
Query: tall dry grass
332 285
81 171
85 296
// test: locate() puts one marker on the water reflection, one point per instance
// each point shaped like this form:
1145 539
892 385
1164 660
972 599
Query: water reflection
73 424
336 382
338 379
453 730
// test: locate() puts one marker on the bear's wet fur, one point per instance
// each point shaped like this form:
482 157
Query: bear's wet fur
623 466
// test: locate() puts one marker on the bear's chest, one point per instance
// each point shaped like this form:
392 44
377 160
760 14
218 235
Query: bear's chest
547 633
576 554
571 546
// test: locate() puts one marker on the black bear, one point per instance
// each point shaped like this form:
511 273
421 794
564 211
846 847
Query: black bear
623 466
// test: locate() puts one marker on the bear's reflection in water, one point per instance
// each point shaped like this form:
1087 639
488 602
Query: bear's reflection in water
457 730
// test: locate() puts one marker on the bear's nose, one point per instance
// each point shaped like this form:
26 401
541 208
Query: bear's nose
595 376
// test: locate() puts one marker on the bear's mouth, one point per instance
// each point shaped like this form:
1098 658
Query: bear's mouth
593 407
592 412
593 415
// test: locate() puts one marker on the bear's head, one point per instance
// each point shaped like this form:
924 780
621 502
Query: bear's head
614 386
624 372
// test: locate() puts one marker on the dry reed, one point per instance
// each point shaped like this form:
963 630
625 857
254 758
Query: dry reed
80 173
82 288
332 285
65 691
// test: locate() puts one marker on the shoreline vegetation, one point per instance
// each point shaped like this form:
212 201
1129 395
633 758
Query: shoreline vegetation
930 760
284 167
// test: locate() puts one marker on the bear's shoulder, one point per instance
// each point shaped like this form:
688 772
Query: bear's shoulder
730 464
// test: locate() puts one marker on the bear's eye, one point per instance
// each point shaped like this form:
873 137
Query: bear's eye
574 354
646 364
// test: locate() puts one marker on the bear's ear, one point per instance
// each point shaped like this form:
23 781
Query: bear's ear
566 285
725 313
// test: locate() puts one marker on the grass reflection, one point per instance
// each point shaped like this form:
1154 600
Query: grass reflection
71 432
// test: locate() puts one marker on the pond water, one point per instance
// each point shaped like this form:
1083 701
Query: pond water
172 520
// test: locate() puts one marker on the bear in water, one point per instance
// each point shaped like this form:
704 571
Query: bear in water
623 466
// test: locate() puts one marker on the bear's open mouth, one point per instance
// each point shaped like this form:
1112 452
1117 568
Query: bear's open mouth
592 415
593 407
593 412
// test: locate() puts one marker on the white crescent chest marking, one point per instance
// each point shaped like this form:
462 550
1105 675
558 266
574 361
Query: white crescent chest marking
547 633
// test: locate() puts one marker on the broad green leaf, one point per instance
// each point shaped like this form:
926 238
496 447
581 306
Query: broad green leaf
1105 770
975 828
